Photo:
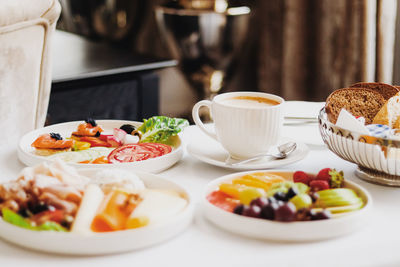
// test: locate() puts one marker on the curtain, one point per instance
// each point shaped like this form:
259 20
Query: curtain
304 49
310 47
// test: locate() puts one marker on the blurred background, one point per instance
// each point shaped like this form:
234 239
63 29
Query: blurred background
162 56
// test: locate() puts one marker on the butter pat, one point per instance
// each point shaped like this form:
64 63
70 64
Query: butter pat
347 121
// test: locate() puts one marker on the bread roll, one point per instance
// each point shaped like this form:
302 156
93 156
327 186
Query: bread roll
358 101
389 114
386 90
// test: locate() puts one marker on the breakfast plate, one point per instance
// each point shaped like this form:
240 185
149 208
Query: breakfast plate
100 243
339 223
210 151
26 153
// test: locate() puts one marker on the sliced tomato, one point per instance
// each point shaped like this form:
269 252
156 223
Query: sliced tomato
94 141
152 149
162 149
137 152
165 149
128 153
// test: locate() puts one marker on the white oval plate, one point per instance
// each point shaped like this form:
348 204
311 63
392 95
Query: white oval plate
210 151
104 243
154 165
281 231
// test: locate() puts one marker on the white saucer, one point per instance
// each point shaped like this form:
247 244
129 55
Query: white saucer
210 151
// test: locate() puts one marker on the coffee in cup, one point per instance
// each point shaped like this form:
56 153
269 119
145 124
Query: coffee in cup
247 124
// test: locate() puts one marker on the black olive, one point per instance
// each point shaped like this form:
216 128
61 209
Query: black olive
97 134
292 192
56 136
91 121
128 128
23 213
281 196
238 209
37 207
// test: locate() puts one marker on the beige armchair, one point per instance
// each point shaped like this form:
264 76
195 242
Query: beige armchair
26 28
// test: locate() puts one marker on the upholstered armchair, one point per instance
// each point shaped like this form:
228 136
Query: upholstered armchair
26 28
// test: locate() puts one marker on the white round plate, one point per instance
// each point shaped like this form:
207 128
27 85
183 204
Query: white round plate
210 151
104 243
154 165
286 231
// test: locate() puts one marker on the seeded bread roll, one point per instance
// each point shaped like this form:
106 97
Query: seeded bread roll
358 101
386 90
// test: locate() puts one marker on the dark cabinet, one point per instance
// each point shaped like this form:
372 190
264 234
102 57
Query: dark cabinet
125 97
100 81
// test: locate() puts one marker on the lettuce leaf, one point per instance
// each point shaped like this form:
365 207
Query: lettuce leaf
17 220
51 226
159 129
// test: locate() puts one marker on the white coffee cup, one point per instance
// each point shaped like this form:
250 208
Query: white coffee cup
246 124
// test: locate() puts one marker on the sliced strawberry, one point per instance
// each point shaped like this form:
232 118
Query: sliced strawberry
301 177
318 185
324 175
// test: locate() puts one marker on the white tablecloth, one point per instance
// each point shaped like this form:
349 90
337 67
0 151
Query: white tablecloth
203 244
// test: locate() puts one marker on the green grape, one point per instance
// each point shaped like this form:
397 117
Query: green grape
301 201
250 193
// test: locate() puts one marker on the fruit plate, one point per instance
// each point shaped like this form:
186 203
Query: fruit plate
299 231
28 157
105 243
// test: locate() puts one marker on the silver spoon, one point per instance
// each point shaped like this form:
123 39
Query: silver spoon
284 150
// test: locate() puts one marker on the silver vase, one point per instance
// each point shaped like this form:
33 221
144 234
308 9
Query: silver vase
205 42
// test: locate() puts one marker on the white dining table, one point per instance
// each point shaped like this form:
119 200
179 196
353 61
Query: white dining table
204 244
